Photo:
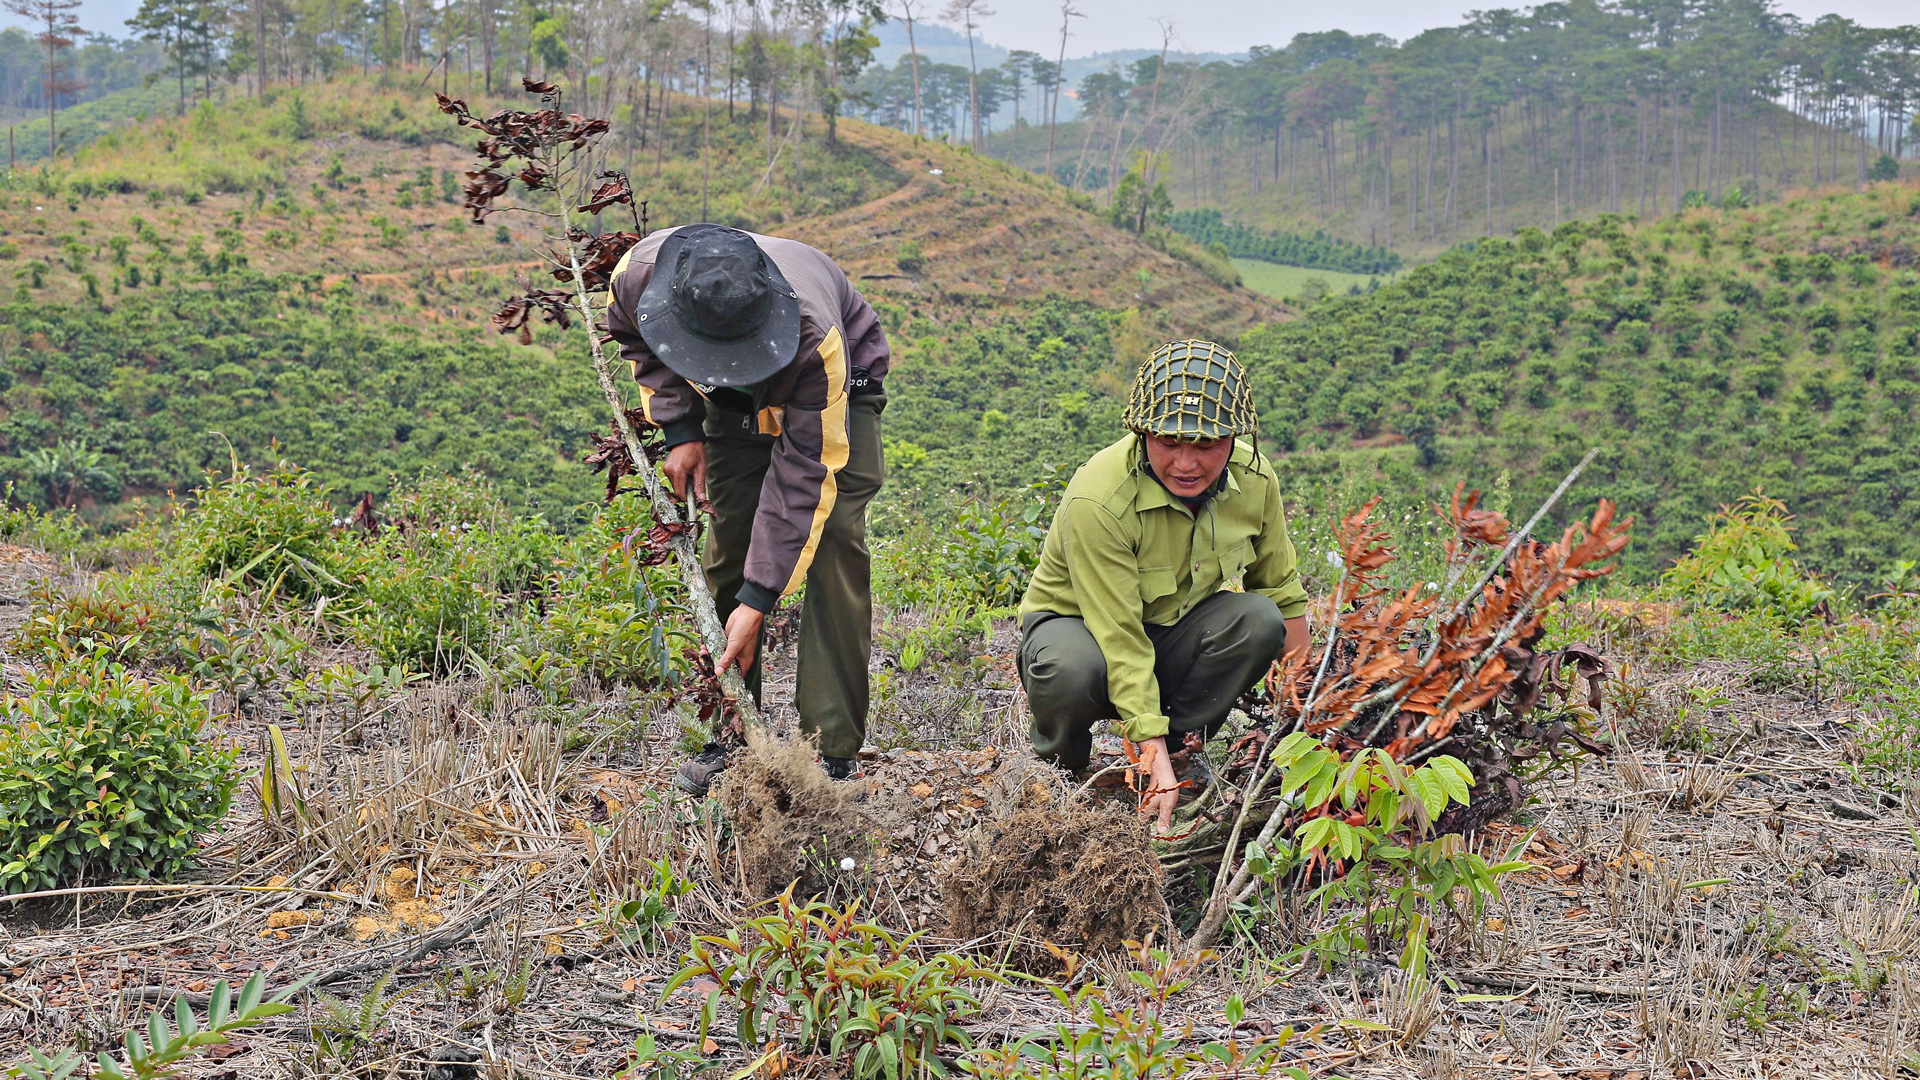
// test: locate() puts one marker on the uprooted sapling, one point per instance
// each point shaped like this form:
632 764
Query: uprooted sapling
1407 676
550 152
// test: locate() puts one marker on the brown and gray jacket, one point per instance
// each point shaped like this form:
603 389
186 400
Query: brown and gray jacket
843 352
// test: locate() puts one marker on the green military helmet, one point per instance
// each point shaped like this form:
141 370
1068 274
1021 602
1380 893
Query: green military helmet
1190 390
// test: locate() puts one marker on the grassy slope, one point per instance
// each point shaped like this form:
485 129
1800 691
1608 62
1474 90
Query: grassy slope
1020 328
1291 282
355 333
1224 181
1709 353
82 125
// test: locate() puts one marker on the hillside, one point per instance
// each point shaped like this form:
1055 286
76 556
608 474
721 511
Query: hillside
1500 187
1708 354
296 271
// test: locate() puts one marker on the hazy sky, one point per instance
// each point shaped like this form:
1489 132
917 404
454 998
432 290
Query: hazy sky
1229 26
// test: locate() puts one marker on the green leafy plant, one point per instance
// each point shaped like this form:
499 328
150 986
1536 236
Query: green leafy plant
358 689
1119 1033
425 611
1744 560
62 627
70 469
637 638
1756 1006
271 530
651 1061
154 1051
106 773
986 557
1376 817
245 661
811 978
641 920
341 1025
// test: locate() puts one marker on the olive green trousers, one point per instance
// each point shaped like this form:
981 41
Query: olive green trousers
1204 663
836 622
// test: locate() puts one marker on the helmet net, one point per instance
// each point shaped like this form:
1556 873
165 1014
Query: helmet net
1190 390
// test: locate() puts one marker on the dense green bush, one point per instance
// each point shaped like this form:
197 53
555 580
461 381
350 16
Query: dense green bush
425 612
106 774
1745 560
271 530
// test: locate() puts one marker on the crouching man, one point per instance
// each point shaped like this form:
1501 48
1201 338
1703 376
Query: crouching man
1129 616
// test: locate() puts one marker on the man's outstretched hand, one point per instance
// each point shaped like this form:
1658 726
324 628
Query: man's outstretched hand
743 633
1160 774
687 467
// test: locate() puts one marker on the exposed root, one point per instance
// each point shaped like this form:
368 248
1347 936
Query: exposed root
791 822
1071 873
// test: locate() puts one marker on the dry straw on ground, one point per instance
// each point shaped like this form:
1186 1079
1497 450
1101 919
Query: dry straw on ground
1744 910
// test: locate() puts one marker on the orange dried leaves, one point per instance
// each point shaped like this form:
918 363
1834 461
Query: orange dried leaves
1398 666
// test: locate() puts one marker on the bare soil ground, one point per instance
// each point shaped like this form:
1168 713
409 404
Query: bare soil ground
1741 910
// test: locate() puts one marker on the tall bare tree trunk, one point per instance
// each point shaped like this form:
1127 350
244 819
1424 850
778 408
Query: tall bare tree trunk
1387 175
1678 196
914 52
1067 15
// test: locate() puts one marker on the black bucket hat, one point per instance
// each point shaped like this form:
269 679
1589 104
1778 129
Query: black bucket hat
716 311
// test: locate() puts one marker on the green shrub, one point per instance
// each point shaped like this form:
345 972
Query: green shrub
272 530
107 774
61 628
982 559
422 608
1124 1032
1744 561
807 974
60 534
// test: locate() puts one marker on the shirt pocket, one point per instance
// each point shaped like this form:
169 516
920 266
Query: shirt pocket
1156 583
1234 561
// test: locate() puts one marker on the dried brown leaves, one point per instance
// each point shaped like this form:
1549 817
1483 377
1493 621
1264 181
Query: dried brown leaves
599 256
1404 672
513 133
552 305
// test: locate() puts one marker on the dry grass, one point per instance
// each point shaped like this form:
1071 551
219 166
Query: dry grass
1695 913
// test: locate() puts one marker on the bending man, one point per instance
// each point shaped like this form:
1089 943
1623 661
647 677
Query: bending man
1129 616
761 364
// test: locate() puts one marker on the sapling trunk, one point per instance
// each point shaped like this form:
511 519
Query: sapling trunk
700 597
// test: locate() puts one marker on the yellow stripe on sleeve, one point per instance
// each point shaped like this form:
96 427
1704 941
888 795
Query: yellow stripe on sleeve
834 450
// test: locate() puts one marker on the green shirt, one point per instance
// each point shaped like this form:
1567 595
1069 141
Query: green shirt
1124 552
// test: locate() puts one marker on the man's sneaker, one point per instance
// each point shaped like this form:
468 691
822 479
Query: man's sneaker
841 768
697 772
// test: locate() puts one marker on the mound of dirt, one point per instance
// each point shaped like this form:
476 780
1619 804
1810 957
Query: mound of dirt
1076 874
964 843
792 823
